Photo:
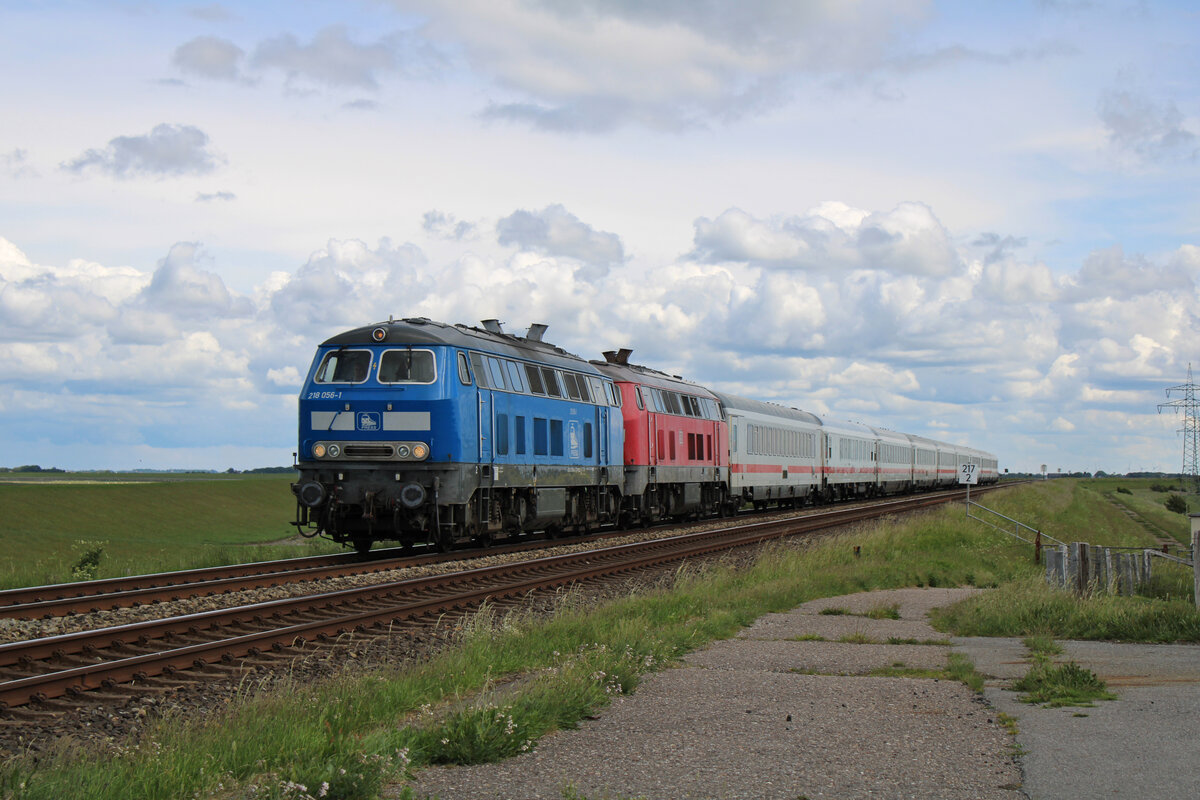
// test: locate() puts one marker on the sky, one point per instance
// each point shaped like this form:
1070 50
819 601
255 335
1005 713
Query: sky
978 222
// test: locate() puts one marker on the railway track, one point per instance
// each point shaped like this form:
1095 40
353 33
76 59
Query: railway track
39 602
77 663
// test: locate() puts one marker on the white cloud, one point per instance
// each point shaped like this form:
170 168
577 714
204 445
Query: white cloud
911 349
554 231
599 65
167 151
907 240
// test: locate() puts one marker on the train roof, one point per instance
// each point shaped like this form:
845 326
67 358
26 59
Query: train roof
847 428
733 401
423 331
648 376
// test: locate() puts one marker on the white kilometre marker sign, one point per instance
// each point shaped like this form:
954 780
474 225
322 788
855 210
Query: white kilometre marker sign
968 474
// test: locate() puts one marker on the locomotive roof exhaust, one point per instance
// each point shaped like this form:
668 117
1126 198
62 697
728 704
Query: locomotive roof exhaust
618 356
536 331
492 326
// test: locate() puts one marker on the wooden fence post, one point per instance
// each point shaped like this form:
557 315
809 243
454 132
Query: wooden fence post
1196 556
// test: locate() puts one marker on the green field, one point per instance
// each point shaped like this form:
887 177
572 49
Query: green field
142 523
1140 496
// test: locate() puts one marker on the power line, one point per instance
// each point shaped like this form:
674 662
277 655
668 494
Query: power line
1191 427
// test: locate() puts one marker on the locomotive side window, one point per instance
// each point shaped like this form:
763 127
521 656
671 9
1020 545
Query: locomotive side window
556 437
496 371
587 440
571 385
519 434
345 366
514 377
598 395
502 434
535 379
541 437
551 381
464 371
584 394
480 371
638 394
407 366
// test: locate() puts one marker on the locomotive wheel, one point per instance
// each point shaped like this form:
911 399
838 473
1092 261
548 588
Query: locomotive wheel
362 546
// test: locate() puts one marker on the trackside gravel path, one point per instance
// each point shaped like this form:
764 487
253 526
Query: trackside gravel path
772 715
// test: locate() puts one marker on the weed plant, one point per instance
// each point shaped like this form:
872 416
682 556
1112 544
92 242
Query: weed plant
1057 685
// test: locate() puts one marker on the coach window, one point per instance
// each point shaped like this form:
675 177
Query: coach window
344 366
464 371
535 379
407 366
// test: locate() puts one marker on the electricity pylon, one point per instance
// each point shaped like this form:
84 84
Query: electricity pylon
1191 427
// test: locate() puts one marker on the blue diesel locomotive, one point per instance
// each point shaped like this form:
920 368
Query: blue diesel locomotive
421 432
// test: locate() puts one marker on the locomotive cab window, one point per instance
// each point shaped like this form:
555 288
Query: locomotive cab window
345 366
407 366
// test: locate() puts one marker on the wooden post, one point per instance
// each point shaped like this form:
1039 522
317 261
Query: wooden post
1110 571
1037 548
1196 556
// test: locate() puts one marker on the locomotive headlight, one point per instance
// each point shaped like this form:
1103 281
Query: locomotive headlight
403 451
334 451
420 452
319 450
